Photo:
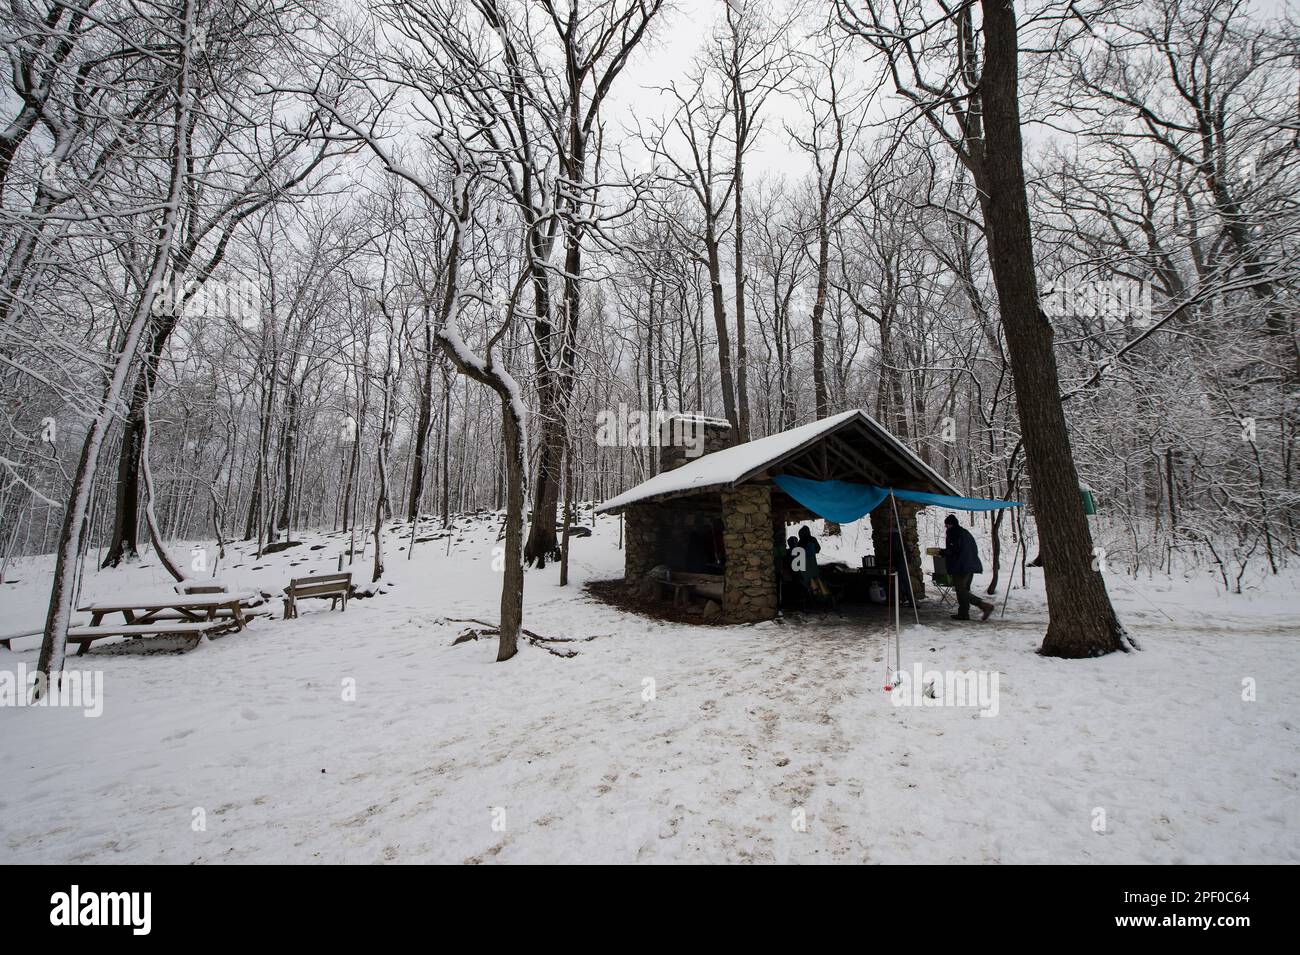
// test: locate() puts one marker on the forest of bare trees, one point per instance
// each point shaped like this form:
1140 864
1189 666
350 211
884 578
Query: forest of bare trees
268 265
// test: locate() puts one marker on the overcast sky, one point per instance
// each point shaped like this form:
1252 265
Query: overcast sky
680 36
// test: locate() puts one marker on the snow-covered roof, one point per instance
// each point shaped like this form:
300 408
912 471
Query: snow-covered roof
732 466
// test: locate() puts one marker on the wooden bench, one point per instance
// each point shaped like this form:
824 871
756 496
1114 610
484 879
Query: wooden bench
87 635
334 586
683 585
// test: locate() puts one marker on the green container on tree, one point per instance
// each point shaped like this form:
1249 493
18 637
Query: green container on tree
1089 502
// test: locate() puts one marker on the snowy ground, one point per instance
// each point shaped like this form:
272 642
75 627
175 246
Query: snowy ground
749 729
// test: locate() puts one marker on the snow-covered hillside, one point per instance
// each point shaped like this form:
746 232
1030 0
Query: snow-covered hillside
773 742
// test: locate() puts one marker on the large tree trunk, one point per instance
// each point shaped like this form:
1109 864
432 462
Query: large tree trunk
253 524
565 537
541 533
151 518
290 450
542 542
423 425
724 338
558 375
124 544
995 538
1082 621
351 492
383 451
821 396
512 583
444 509
742 348
890 402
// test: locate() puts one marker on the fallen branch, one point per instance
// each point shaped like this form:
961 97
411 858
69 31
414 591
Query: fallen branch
536 639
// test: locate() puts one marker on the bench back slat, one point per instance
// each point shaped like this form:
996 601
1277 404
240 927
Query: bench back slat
319 591
335 579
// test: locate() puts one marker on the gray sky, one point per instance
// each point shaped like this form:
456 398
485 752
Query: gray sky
681 35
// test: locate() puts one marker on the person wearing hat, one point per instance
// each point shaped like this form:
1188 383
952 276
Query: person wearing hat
962 558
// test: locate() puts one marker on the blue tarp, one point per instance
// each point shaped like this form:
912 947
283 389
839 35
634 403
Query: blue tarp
956 503
844 502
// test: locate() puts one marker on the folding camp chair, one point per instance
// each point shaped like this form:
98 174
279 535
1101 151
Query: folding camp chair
942 580
945 585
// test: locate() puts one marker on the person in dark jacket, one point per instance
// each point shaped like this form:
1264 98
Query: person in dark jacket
962 558
806 562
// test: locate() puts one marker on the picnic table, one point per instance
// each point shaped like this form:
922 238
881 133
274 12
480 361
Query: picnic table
163 614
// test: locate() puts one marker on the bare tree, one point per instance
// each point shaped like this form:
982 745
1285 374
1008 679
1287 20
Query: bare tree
836 112
54 641
938 64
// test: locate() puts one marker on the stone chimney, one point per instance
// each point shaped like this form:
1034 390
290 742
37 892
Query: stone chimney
684 438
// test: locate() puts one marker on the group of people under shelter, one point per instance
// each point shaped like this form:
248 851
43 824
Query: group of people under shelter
796 563
801 579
